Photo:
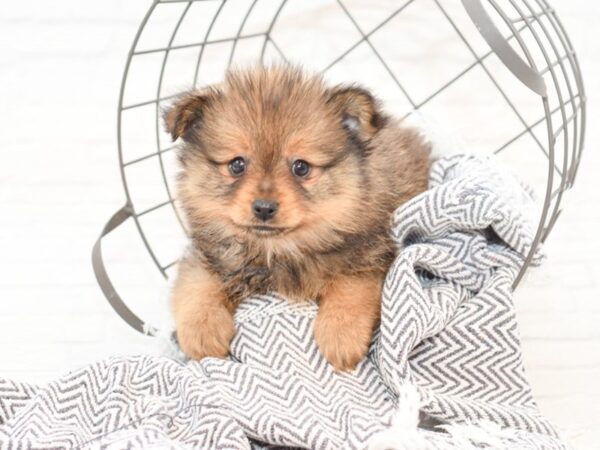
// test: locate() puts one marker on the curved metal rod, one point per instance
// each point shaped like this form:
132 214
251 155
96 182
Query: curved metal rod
565 127
206 35
158 116
119 130
569 52
515 35
564 37
551 157
239 32
270 29
528 76
108 289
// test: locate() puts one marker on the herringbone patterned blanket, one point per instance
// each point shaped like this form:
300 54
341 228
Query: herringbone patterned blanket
448 347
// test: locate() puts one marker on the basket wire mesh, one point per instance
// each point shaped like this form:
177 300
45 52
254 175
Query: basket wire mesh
515 46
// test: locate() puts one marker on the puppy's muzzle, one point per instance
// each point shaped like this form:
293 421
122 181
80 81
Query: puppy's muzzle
264 209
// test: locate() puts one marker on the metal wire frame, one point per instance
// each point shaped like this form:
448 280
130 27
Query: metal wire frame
532 17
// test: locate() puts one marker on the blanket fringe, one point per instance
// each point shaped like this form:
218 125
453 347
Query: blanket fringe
404 432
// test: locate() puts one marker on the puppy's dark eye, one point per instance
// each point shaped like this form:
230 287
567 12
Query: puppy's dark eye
237 166
300 168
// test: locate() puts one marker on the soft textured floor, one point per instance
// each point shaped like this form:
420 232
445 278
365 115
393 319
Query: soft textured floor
60 70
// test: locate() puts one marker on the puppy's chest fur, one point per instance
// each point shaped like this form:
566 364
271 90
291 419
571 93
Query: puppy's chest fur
248 271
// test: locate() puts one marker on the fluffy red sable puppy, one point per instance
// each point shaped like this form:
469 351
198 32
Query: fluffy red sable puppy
288 186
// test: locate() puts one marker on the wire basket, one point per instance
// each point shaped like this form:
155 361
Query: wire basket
501 74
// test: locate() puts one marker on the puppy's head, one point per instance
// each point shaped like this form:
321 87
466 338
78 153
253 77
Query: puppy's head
275 157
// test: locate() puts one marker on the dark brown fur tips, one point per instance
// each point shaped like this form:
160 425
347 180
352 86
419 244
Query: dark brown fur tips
288 186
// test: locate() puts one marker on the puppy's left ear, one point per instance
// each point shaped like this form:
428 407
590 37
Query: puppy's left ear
187 112
358 110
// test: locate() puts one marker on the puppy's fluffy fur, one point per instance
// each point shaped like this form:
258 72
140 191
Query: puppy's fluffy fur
329 238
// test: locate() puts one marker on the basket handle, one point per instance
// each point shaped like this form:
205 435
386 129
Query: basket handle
106 285
500 46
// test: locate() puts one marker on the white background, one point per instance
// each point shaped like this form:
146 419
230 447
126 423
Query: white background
60 70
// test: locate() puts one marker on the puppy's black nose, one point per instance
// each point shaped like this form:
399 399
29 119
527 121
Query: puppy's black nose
264 209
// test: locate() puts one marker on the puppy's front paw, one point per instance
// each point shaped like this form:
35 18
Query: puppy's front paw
207 333
342 339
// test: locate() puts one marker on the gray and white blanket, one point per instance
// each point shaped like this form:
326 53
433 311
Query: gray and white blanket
447 350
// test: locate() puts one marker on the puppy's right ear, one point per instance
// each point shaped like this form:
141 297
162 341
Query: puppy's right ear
187 112
358 110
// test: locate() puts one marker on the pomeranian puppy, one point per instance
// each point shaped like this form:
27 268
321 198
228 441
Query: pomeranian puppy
288 186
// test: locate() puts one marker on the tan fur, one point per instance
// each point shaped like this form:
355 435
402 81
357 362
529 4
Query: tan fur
333 242
203 316
349 311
